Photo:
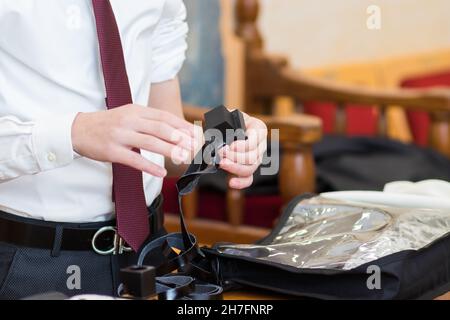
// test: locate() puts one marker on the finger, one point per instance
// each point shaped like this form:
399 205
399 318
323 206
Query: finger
256 124
169 118
156 145
247 118
199 138
241 183
165 132
261 150
239 170
256 134
247 158
135 160
260 128
246 145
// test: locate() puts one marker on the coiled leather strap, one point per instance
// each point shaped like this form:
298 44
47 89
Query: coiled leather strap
172 286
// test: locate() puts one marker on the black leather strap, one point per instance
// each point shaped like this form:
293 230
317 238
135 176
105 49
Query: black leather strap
174 287
206 292
179 286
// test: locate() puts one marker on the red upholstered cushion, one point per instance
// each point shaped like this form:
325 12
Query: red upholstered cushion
259 211
170 194
419 121
360 120
323 110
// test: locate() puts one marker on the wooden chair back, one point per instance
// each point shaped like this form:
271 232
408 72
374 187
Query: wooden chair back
271 86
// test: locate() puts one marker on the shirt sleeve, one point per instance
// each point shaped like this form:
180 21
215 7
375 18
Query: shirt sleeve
169 42
34 146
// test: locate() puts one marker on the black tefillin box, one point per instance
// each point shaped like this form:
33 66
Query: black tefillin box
139 282
231 125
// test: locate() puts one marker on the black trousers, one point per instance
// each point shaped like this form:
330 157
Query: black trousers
28 271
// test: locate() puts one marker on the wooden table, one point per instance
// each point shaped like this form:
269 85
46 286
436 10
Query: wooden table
255 295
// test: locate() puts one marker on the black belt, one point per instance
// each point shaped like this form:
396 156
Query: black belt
57 236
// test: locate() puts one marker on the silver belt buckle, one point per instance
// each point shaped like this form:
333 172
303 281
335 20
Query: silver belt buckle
118 245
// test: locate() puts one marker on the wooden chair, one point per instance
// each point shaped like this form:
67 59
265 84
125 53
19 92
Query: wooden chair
272 90
268 78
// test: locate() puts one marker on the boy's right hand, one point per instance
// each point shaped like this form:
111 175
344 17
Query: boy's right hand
111 135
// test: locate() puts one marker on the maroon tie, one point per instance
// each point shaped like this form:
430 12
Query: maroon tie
128 190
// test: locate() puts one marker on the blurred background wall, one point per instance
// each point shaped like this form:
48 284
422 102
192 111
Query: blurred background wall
314 33
323 37
202 76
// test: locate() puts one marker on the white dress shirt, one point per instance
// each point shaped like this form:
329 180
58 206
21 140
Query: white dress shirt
49 71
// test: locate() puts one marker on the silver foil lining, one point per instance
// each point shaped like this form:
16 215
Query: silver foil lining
332 234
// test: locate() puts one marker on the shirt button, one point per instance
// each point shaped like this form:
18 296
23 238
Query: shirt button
51 157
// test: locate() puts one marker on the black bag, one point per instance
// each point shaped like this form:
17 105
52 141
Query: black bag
368 163
407 274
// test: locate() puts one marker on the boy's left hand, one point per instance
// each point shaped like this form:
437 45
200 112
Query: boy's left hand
243 157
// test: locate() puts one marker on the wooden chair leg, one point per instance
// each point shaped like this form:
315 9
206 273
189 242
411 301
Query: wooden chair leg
190 205
235 206
440 132
297 171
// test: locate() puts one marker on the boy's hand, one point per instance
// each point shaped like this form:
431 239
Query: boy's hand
242 158
111 135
